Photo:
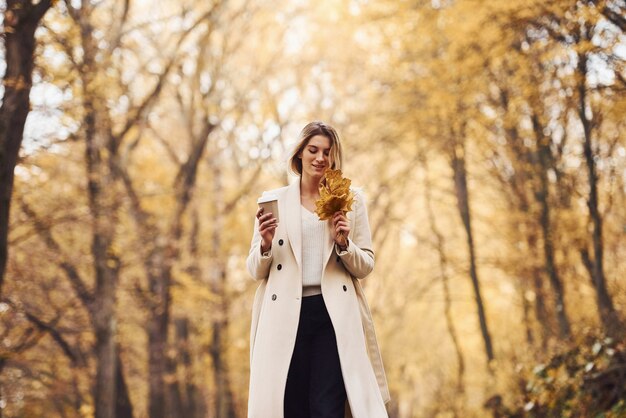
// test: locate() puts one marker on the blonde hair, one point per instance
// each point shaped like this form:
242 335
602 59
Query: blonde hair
309 131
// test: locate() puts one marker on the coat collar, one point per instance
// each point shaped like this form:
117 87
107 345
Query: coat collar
293 223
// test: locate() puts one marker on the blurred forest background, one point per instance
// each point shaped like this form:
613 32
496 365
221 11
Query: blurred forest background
489 136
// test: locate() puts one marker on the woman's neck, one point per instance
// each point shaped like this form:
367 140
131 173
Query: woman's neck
309 186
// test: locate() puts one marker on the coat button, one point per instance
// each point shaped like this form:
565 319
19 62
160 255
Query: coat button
280 266
345 289
274 297
280 242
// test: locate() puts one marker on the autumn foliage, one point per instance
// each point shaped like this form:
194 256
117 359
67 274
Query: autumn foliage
335 195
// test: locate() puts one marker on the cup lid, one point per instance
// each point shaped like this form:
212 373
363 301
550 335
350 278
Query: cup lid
268 197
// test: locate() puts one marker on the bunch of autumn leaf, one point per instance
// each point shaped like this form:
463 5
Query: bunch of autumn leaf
335 195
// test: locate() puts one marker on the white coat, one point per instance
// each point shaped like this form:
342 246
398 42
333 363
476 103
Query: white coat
276 311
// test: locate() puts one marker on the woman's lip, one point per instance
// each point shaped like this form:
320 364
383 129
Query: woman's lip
318 166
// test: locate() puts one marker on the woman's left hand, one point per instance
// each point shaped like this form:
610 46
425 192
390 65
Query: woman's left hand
341 226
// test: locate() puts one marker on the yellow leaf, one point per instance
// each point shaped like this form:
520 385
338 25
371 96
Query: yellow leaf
335 195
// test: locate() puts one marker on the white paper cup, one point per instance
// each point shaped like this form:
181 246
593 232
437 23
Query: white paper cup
269 203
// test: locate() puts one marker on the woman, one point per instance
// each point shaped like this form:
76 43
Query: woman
313 351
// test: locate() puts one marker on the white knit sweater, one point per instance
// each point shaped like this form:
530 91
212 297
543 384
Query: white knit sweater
312 252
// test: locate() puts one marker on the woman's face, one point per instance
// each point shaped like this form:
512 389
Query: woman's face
316 157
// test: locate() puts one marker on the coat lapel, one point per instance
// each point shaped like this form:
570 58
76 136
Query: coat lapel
328 242
293 220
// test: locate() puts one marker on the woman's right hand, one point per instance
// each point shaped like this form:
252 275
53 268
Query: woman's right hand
267 229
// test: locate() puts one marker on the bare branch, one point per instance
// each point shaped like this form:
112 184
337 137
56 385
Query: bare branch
49 327
26 342
245 189
81 289
168 148
73 12
615 18
65 46
187 172
41 8
66 218
117 33
140 110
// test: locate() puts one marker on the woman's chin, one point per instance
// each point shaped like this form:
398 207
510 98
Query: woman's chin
316 173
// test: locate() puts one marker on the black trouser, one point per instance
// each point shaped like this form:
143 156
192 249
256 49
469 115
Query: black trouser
314 384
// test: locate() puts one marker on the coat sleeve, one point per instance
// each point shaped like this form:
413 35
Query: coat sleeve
258 265
358 259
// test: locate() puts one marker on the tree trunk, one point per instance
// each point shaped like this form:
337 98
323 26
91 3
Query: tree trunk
541 314
123 406
224 405
157 336
525 169
21 19
176 407
106 263
186 394
535 276
543 198
159 272
195 405
526 319
103 203
608 315
443 267
457 160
